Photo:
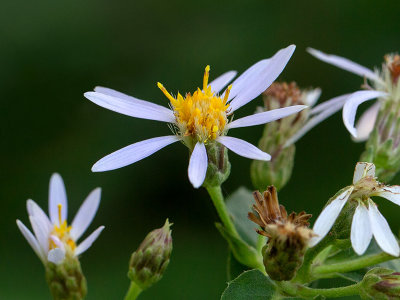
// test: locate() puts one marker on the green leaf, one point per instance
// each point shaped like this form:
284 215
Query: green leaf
250 285
239 204
234 268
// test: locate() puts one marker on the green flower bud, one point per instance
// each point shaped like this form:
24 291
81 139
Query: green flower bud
66 280
148 263
219 167
381 284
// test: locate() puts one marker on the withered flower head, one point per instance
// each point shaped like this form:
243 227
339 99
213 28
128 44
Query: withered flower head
393 63
283 92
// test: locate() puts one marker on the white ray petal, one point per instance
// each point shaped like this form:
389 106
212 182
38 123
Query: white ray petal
57 195
351 105
363 169
257 84
361 233
326 105
392 193
131 106
344 64
56 256
266 117
243 148
366 123
88 241
381 230
35 210
85 214
57 242
221 81
329 110
31 240
329 215
198 165
41 233
312 96
133 153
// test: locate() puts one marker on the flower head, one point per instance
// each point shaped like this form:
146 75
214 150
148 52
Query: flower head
367 220
53 238
199 119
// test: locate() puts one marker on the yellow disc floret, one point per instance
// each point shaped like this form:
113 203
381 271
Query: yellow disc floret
62 232
202 115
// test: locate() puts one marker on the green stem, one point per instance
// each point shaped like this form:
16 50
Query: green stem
219 203
306 292
133 292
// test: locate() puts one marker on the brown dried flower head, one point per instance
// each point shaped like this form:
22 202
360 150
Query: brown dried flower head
284 91
393 63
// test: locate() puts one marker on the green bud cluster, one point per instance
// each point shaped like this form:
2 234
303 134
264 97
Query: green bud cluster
381 284
219 167
148 263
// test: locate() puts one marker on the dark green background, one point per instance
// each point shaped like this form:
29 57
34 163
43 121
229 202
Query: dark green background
51 52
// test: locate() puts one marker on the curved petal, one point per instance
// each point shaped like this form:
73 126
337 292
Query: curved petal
57 242
31 240
41 233
133 153
366 123
88 241
243 148
361 233
266 117
381 230
329 215
131 106
351 105
56 256
363 169
57 195
198 165
327 105
312 96
221 81
85 214
392 193
259 82
344 64
35 210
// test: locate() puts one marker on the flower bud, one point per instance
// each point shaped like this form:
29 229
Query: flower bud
219 167
148 263
288 235
66 280
381 283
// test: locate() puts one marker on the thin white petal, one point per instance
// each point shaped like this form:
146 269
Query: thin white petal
133 153
328 216
326 105
312 96
328 110
85 214
351 105
266 117
198 165
381 230
131 106
392 193
41 233
35 210
243 148
56 256
255 85
363 169
366 123
88 241
57 242
221 81
344 64
361 233
31 240
57 195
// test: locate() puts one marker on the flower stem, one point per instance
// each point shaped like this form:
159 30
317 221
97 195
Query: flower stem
133 292
306 292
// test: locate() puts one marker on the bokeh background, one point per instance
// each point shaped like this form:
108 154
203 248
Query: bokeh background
53 51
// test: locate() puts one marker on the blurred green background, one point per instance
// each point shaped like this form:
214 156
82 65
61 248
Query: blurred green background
53 51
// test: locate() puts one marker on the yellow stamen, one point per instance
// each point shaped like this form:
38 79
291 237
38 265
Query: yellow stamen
205 78
59 213
168 95
228 90
62 232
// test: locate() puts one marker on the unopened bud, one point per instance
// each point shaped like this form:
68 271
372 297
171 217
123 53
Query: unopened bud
149 261
381 283
219 167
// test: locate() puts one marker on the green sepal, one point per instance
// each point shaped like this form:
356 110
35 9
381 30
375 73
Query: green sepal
219 167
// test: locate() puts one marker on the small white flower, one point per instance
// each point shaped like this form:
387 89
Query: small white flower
52 237
367 220
199 118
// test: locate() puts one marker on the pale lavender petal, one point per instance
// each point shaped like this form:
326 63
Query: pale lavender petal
361 233
312 96
243 148
363 169
131 106
366 123
344 64
35 210
57 195
31 240
326 105
351 105
266 117
41 233
381 230
220 82
57 242
85 214
198 165
56 256
133 153
392 193
88 241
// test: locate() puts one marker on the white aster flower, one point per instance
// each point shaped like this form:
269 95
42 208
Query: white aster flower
367 220
199 118
53 238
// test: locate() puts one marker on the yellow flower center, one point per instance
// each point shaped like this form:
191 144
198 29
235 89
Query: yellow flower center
202 115
62 232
